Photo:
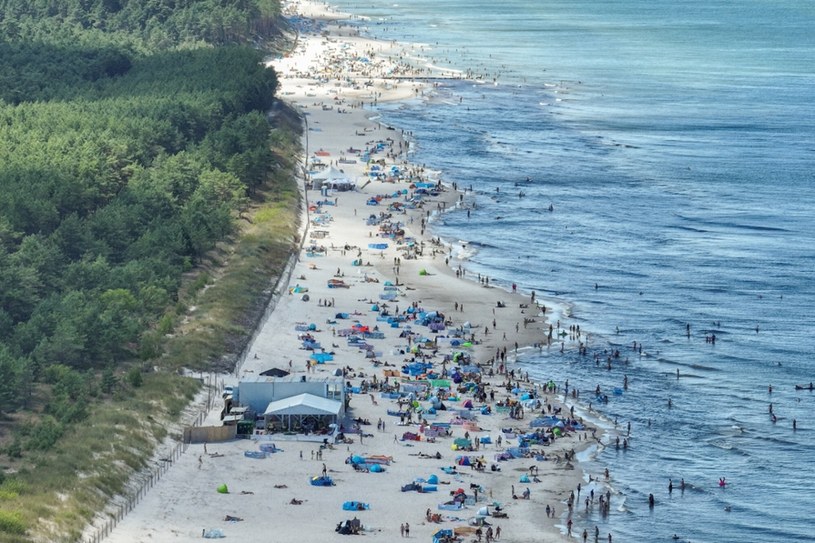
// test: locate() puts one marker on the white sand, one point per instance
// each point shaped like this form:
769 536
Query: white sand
185 501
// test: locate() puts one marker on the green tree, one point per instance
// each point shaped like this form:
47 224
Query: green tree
11 373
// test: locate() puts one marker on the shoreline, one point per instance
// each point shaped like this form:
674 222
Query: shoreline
184 502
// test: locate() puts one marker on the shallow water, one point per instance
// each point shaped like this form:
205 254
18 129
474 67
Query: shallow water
675 142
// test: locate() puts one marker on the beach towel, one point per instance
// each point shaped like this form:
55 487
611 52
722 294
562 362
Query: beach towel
355 506
378 459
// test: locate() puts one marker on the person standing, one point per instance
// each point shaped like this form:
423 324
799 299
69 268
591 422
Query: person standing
407 530
402 530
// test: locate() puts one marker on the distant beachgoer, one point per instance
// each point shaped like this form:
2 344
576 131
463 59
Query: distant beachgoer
402 530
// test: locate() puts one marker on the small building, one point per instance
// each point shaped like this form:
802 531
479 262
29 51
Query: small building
293 402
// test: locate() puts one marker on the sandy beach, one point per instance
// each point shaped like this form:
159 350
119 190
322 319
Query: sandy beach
334 77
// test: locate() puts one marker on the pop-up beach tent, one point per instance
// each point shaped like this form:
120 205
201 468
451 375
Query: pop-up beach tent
301 411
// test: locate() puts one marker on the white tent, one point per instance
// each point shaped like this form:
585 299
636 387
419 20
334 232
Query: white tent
304 404
304 411
332 178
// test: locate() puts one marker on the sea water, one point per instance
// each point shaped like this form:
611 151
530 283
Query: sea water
675 144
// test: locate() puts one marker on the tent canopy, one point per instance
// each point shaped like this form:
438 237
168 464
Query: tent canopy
304 404
331 176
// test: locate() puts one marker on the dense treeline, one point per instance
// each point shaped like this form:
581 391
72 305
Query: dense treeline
121 164
147 25
135 137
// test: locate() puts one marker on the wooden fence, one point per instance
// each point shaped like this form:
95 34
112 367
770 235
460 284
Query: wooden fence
149 477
